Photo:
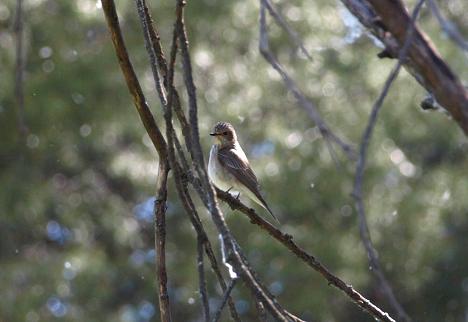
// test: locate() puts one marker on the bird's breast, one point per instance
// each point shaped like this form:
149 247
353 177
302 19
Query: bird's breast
218 175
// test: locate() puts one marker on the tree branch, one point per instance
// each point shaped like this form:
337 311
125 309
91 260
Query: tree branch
133 84
202 280
360 166
226 295
310 260
309 107
160 240
388 20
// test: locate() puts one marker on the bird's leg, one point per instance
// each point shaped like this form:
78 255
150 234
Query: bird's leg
238 195
227 191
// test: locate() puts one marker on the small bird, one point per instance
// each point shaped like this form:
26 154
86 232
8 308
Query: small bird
229 168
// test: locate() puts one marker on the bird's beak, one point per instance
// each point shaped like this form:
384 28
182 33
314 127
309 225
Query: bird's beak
213 134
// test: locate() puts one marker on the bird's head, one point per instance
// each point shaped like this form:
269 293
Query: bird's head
224 133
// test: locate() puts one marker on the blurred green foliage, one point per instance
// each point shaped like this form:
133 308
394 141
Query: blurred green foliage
75 198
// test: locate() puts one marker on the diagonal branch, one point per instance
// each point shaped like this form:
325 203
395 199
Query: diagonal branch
287 241
448 27
357 193
158 141
291 85
226 295
132 81
388 20
283 24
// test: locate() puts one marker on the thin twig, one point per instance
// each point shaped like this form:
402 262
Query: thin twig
202 280
19 73
151 53
361 163
449 27
283 24
291 85
310 260
226 295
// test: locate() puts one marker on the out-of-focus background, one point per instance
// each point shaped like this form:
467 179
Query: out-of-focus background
76 231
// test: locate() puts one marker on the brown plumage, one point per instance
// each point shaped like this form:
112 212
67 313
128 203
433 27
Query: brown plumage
229 168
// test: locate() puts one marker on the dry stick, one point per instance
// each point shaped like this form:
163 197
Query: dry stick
291 86
357 192
19 72
449 27
160 239
226 295
283 24
202 279
240 265
156 137
389 21
152 55
287 241
156 43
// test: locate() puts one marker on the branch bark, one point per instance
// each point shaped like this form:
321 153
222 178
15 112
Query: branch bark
389 20
160 240
310 260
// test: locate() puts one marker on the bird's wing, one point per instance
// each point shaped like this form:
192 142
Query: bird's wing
235 161
238 165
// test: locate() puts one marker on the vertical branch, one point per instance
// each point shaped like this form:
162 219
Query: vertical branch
202 280
141 6
19 72
160 240
357 192
158 141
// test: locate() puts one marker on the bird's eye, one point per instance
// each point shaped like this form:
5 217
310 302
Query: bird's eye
225 133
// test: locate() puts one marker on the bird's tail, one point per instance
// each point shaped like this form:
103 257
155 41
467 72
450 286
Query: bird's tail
271 212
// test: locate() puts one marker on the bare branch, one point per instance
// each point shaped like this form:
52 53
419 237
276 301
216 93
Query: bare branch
142 12
202 280
283 24
291 86
226 295
449 27
160 240
287 241
388 20
357 193
130 77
